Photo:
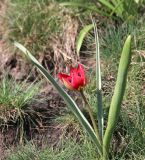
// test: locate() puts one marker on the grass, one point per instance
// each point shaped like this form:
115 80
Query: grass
133 114
16 95
68 122
67 150
33 22
14 105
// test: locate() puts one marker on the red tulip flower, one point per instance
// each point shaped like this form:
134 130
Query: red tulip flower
75 80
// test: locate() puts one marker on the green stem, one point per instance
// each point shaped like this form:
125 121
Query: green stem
100 113
91 115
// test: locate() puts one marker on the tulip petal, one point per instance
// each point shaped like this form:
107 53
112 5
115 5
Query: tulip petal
67 83
62 75
66 80
81 75
75 80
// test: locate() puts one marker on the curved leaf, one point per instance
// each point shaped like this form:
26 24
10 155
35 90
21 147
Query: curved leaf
118 94
68 100
87 6
81 37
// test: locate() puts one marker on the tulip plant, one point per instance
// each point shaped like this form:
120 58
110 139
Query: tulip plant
101 135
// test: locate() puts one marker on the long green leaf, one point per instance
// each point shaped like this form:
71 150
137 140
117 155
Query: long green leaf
98 84
81 37
118 95
68 100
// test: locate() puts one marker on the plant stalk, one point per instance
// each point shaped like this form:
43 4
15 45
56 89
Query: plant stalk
100 113
91 115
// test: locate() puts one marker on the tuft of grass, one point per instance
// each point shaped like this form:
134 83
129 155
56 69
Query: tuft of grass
69 126
16 95
68 150
33 23
14 105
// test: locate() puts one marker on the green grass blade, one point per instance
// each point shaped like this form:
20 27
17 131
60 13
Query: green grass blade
118 95
87 6
81 37
98 84
68 100
107 4
118 9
